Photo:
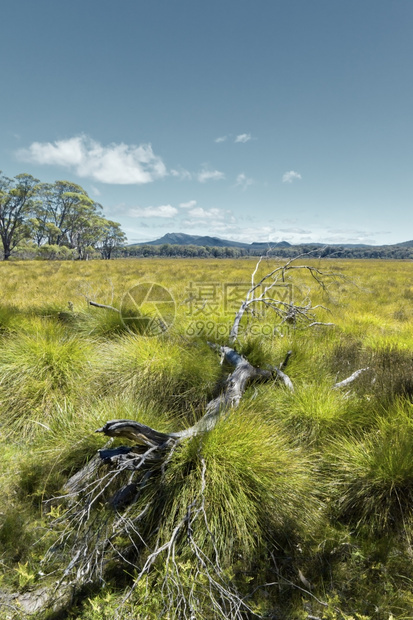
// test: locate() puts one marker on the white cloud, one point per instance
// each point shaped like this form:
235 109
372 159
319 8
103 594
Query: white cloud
206 214
243 137
288 177
188 205
95 191
221 139
243 181
210 175
181 173
162 211
348 231
295 230
120 164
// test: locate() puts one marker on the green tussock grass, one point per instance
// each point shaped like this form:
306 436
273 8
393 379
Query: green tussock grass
257 491
37 368
314 410
257 480
316 480
9 319
179 376
100 323
373 474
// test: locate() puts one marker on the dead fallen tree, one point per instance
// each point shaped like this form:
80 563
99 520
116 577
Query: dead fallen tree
113 512
118 477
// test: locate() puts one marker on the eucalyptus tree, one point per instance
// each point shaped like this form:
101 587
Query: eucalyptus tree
59 214
66 206
112 238
86 234
67 216
17 201
44 229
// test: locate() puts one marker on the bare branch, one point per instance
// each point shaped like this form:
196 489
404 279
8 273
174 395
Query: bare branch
287 312
96 305
286 360
314 323
350 379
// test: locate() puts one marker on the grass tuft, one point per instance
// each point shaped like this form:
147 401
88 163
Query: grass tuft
258 487
179 377
37 369
373 475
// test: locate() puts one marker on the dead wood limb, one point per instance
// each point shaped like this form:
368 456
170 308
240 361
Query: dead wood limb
83 476
284 378
229 398
96 305
350 379
286 360
34 601
117 477
234 387
135 431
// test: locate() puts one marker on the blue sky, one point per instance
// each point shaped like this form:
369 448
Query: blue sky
260 120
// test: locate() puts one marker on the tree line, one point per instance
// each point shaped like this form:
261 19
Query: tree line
195 251
53 220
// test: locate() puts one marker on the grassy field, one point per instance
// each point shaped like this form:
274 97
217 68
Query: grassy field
308 495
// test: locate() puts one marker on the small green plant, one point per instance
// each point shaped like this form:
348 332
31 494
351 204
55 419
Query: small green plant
25 575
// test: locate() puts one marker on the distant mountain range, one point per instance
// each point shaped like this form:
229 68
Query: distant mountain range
206 241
